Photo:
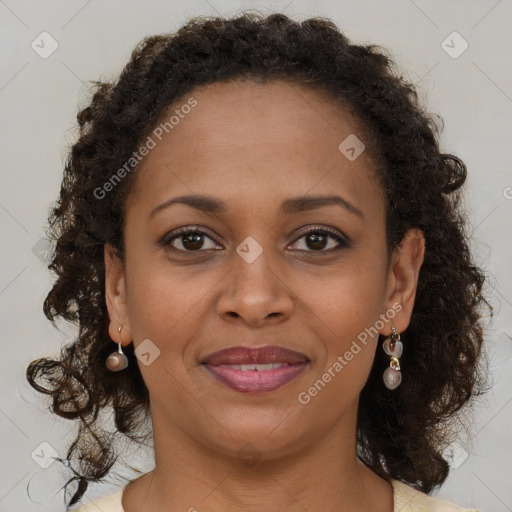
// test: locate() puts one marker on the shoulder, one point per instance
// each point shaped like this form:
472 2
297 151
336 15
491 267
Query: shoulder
405 499
110 503
408 499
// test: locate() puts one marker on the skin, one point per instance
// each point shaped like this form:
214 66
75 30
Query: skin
253 146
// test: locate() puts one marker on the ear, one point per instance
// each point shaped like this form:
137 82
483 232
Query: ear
115 296
402 281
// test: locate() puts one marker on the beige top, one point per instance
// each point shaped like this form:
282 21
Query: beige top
405 499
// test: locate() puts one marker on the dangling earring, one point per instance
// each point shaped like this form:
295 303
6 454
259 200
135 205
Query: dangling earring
393 347
117 361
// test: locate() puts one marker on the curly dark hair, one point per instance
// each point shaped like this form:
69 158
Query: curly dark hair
400 434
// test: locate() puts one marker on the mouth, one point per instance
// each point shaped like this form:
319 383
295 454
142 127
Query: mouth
254 370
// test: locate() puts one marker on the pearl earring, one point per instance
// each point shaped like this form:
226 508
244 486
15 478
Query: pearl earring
394 348
117 361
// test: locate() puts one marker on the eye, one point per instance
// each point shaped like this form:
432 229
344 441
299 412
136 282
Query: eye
317 239
190 239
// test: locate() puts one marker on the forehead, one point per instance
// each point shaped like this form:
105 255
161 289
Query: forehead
242 135
276 113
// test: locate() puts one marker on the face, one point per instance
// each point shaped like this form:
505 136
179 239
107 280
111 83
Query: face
265 265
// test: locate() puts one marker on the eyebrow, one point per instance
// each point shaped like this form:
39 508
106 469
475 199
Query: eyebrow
289 206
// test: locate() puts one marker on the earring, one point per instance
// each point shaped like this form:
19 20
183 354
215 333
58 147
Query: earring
117 361
393 347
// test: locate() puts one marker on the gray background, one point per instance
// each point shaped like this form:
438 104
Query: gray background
39 100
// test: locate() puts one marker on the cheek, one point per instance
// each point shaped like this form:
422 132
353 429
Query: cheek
164 307
351 297
345 307
161 300
344 314
168 304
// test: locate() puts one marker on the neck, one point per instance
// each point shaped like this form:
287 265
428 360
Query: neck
191 477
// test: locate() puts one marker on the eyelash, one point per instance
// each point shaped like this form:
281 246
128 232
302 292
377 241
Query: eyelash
342 240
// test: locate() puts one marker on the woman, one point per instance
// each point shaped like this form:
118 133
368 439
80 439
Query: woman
262 245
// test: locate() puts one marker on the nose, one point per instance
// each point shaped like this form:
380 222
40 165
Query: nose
255 293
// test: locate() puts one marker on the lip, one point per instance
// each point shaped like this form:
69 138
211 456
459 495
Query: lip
262 355
253 380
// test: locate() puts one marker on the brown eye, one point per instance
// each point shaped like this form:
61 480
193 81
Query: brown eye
190 240
317 240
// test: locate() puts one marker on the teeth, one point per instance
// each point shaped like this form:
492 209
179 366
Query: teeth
257 367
